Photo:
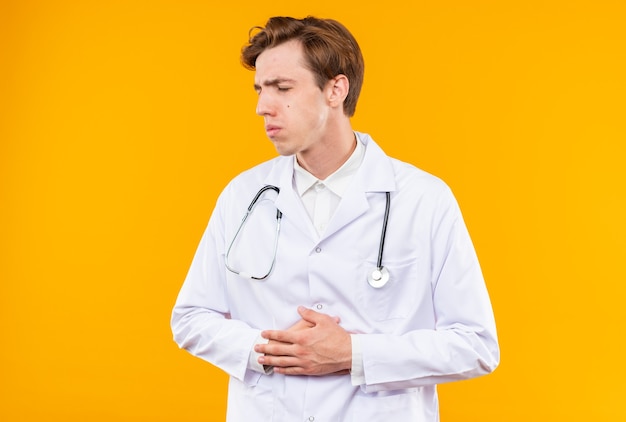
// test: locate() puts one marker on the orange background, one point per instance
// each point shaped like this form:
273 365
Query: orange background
120 122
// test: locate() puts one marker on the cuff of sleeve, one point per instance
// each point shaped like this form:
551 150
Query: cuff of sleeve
357 374
253 359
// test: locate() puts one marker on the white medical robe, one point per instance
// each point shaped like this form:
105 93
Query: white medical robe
431 323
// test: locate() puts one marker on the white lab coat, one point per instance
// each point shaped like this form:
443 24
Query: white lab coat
431 323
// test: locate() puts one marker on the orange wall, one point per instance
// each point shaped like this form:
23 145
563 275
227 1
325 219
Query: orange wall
120 122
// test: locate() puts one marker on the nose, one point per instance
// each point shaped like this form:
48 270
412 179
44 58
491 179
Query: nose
263 105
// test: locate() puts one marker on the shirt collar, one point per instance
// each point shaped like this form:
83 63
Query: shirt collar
338 181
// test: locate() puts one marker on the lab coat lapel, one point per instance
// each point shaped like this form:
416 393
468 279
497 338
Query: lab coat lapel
288 201
374 175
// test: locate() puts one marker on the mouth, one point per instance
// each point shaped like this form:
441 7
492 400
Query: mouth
272 130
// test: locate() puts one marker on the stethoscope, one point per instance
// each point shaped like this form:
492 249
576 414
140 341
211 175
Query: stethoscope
377 277
279 216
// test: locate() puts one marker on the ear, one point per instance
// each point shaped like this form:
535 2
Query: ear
338 90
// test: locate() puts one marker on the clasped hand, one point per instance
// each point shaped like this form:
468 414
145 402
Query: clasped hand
315 345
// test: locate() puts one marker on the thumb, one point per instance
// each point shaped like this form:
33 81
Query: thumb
307 314
315 317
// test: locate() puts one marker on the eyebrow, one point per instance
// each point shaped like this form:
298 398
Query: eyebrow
273 82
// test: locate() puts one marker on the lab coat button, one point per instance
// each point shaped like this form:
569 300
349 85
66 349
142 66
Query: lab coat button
319 306
311 418
318 249
319 186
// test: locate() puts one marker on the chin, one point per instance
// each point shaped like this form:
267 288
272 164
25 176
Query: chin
284 152
282 149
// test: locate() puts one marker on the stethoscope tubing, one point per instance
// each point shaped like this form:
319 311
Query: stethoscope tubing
279 216
381 248
377 278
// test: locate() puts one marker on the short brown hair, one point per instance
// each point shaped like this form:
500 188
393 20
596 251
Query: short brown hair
329 49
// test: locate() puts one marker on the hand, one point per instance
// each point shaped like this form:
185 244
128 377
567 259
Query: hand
315 345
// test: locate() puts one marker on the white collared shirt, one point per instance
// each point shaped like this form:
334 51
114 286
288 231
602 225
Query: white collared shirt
321 197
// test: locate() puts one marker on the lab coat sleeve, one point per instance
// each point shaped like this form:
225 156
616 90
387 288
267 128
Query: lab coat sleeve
201 322
463 343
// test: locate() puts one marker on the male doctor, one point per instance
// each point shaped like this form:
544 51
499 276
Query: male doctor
352 288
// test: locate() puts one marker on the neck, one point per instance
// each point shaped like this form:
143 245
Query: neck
330 154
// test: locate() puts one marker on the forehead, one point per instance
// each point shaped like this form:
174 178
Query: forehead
285 61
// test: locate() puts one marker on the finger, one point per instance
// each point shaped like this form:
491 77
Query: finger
290 370
278 335
315 317
274 348
299 370
301 325
279 361
310 315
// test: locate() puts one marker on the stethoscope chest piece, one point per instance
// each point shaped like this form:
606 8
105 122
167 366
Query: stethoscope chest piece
378 277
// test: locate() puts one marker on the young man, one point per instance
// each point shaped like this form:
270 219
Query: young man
351 288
